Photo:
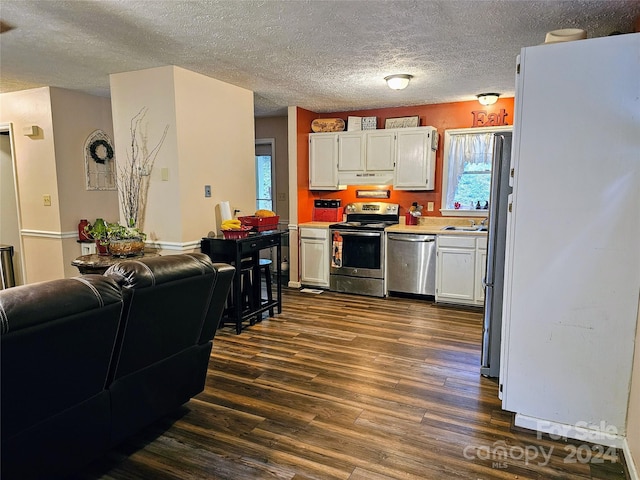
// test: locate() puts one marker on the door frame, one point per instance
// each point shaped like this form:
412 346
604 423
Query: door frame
274 184
8 127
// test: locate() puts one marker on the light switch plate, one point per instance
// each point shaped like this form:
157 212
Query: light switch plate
207 191
429 206
46 200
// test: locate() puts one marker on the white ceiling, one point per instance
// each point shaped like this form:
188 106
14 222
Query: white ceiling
322 55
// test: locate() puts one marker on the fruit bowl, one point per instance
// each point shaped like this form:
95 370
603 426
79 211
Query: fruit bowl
260 224
236 233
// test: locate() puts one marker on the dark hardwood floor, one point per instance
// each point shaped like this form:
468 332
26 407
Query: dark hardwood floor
349 387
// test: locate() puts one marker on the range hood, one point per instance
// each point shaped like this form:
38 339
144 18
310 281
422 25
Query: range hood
365 178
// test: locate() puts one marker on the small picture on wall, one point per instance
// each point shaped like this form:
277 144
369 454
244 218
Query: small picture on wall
402 122
99 162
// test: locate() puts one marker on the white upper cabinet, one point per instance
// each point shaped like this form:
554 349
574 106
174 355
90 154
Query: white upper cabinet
404 157
351 152
415 158
381 150
323 161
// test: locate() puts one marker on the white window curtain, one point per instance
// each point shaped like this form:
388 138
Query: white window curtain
464 149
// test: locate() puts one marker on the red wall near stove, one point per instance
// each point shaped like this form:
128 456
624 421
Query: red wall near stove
442 116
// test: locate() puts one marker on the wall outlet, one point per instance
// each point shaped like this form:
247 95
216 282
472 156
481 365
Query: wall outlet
46 200
282 197
429 206
207 191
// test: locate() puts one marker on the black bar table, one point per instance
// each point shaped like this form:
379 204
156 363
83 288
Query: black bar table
234 251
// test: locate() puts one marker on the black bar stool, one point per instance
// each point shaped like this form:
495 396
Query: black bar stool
248 283
265 268
246 288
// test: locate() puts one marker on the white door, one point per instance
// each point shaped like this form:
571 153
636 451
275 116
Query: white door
572 276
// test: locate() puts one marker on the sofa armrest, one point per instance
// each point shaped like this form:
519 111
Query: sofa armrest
221 287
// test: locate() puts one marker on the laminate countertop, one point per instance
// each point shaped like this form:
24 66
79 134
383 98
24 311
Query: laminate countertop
316 224
426 225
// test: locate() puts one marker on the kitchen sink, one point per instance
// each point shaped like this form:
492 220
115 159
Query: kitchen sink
475 228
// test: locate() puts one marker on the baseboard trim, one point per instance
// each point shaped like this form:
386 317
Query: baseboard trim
175 246
629 462
48 234
575 432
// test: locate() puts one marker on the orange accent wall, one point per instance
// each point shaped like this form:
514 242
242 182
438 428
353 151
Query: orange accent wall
443 116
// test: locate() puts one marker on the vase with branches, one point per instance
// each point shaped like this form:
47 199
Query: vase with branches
133 175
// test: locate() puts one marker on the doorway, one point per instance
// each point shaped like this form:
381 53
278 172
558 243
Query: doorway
265 174
9 202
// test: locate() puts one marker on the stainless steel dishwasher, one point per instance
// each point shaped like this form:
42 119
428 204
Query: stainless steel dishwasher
411 263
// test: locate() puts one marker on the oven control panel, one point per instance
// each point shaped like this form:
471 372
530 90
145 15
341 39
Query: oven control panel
382 208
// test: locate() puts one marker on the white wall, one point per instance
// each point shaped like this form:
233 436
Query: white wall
153 89
216 147
210 142
75 117
36 176
52 163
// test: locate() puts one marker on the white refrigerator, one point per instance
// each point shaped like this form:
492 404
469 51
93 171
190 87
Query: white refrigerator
572 262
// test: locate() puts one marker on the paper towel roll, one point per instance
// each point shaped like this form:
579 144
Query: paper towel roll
225 211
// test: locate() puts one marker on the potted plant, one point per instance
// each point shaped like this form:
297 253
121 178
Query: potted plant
133 183
124 241
133 175
98 231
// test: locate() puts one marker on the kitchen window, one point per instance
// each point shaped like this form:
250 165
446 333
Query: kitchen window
466 182
265 173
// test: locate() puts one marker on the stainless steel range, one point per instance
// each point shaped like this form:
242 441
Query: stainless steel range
357 248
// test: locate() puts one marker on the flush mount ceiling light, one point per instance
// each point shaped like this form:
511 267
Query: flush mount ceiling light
398 81
488 98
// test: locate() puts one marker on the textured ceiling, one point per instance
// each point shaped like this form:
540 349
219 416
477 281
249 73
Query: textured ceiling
322 55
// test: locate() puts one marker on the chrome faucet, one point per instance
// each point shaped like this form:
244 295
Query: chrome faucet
484 221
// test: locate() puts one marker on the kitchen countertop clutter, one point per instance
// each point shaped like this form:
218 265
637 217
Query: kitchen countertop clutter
436 226
427 225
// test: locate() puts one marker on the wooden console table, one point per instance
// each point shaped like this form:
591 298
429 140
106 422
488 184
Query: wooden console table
234 252
99 264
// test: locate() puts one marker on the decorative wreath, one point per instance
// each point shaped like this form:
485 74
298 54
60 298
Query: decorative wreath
93 151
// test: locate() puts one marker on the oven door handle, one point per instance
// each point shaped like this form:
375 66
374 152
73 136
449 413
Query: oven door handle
359 234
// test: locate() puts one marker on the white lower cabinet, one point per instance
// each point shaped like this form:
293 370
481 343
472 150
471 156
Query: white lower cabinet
460 266
314 256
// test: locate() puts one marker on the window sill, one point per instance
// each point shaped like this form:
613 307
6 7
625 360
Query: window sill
464 213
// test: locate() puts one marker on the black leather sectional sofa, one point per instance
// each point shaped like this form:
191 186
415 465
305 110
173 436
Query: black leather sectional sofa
88 361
